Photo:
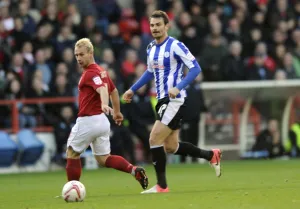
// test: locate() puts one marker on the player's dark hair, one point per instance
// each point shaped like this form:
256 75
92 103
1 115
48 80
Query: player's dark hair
160 14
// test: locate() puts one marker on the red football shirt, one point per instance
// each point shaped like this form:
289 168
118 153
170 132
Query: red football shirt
92 78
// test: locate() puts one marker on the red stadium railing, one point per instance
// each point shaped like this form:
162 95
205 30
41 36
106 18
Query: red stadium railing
15 111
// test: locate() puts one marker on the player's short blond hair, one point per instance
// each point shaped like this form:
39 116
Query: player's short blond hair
85 42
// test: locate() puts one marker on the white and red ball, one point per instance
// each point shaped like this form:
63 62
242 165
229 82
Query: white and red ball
73 191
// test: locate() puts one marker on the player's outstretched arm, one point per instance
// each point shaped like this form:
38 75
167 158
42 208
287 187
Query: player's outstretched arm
115 101
144 79
190 77
104 99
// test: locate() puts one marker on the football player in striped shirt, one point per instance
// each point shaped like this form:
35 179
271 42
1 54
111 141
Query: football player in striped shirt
166 58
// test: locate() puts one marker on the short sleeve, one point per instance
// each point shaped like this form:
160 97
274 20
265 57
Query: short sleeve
185 55
106 79
93 79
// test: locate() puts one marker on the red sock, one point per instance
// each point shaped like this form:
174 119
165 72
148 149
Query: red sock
73 169
119 163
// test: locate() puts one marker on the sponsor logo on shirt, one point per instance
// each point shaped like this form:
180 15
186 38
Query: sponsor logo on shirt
167 54
155 65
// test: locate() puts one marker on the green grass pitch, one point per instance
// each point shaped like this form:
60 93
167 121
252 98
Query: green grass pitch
243 185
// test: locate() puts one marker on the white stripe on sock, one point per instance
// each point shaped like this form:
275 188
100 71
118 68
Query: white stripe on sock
156 146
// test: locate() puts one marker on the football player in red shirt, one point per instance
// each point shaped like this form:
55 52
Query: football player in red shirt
92 127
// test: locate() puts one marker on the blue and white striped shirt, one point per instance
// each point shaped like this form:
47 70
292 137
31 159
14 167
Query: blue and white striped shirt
166 61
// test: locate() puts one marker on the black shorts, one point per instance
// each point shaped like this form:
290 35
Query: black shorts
169 111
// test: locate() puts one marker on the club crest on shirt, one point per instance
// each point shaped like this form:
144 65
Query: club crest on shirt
97 80
167 54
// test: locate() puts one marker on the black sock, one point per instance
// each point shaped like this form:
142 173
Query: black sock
159 160
188 149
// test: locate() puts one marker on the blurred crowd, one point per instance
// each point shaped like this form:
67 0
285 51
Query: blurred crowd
232 40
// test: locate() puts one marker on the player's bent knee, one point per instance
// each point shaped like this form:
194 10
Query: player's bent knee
170 150
157 137
72 154
101 159
156 140
170 147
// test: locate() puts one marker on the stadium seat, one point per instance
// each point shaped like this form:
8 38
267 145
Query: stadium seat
255 154
31 148
8 150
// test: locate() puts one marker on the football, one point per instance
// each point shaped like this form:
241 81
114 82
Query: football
73 191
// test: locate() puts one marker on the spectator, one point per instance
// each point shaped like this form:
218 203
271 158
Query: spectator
144 23
278 57
278 38
184 20
41 65
115 39
137 45
250 41
68 58
288 67
233 31
19 37
281 12
87 27
61 69
292 145
192 40
280 75
5 18
108 9
27 52
174 31
13 91
72 12
233 65
61 87
214 51
99 44
18 66
269 140
62 129
258 21
65 39
37 110
198 19
296 50
128 65
43 37
257 70
128 24
262 65
51 17
29 24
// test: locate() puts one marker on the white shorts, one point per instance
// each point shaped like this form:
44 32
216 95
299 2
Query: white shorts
91 130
